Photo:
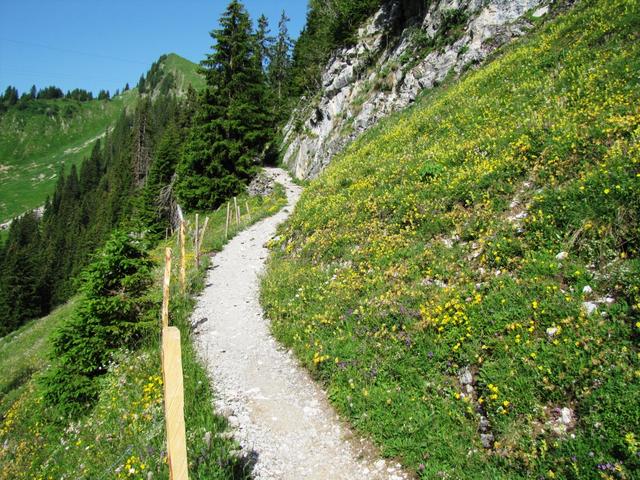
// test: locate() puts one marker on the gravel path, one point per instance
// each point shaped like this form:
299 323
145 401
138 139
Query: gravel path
279 415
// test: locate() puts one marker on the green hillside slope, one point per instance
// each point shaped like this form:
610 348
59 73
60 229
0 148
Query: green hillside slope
123 435
186 72
465 278
35 141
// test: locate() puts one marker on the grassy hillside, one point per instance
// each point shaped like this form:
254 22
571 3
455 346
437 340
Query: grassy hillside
35 141
186 72
465 279
123 435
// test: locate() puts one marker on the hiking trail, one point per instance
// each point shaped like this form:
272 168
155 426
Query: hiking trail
279 415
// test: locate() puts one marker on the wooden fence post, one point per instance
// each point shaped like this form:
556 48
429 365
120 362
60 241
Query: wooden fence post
174 404
248 212
226 226
195 242
197 235
165 287
201 239
183 267
235 207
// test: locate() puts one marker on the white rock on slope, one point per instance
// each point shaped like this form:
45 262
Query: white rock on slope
349 104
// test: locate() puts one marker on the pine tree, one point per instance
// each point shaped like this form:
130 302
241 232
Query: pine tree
233 125
10 96
153 214
264 41
20 277
142 141
279 70
141 84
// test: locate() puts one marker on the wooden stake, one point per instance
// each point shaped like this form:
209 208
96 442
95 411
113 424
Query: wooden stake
204 229
226 226
197 235
196 246
183 266
235 205
165 287
174 404
248 212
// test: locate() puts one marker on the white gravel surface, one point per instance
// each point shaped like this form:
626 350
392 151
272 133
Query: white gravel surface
280 416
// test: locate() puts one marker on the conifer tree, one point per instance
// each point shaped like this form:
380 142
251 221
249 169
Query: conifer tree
279 69
153 214
264 41
233 125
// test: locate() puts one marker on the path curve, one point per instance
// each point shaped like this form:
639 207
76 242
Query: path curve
280 416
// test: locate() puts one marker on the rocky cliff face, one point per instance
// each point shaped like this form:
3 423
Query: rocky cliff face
400 52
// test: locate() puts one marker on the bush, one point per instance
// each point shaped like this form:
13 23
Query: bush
115 312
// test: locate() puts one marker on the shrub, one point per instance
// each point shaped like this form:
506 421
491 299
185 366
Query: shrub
115 312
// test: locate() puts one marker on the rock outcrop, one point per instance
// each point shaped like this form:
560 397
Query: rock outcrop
398 54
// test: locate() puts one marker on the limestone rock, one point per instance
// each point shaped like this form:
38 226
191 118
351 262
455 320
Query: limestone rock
487 439
367 81
465 377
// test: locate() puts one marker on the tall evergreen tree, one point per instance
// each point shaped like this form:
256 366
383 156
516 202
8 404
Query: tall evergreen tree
264 41
279 70
153 213
234 124
10 96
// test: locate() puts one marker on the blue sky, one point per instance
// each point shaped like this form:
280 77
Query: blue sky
97 45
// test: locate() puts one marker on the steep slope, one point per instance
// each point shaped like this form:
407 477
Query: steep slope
465 277
185 71
37 139
123 435
407 47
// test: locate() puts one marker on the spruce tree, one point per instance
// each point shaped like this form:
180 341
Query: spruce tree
279 70
264 41
234 124
152 213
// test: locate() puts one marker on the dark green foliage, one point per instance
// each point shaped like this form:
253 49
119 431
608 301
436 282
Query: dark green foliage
50 93
21 288
141 84
157 78
10 96
80 95
279 69
233 125
264 41
104 95
152 212
114 313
